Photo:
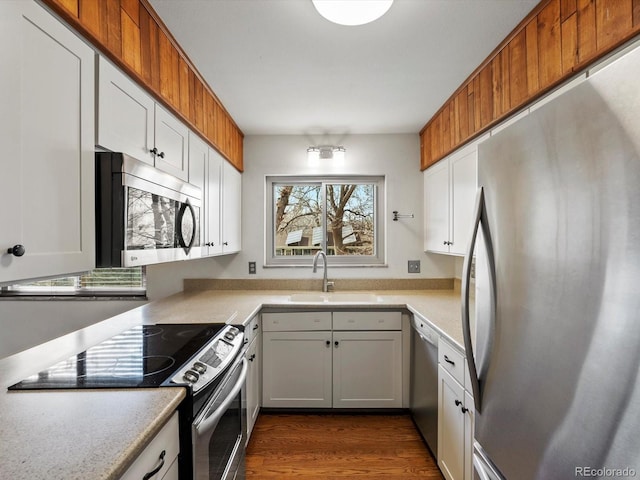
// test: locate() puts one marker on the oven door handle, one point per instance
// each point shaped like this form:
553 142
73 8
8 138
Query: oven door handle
212 420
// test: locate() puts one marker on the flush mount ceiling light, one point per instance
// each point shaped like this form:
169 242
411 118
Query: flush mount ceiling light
352 12
326 152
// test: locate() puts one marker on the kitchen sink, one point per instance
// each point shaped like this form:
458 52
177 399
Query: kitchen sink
333 297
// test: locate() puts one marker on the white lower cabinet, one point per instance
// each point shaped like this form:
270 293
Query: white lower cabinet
367 369
306 364
160 456
296 369
253 394
455 417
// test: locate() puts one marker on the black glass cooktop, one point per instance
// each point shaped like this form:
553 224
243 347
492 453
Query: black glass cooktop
143 356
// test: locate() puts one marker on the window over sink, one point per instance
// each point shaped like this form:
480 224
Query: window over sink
340 215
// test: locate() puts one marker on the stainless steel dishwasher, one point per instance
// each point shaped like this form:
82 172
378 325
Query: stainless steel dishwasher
424 381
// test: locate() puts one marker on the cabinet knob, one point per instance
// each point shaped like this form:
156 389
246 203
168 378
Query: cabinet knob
328 343
161 154
154 150
464 409
226 244
16 250
458 403
336 343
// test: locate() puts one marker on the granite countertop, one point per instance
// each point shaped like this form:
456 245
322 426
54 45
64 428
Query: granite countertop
97 434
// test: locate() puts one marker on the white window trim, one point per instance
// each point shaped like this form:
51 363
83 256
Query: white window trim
377 260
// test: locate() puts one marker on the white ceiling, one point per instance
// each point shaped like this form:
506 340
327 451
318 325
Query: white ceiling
280 68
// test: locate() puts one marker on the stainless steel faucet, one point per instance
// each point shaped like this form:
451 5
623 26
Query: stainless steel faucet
325 284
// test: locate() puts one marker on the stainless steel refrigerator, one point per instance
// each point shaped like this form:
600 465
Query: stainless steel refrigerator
556 351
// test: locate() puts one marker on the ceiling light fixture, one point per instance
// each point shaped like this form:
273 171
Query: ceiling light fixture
326 152
352 12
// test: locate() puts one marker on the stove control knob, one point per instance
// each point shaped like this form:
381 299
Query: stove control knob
199 367
191 376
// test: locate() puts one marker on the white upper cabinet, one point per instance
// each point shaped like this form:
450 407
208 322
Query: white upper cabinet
125 114
213 204
221 185
130 121
171 144
47 95
449 194
231 209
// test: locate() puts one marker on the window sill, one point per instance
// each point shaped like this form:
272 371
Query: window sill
29 296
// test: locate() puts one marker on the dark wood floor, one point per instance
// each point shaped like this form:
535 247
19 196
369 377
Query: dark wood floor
329 447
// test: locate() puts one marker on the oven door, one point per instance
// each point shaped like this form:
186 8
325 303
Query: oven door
218 432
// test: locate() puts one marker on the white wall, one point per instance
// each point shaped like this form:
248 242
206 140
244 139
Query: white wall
24 323
395 156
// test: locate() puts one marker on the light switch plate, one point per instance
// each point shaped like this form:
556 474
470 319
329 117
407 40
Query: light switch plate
414 266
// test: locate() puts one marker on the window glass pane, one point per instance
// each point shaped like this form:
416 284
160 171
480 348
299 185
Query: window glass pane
350 219
298 219
101 280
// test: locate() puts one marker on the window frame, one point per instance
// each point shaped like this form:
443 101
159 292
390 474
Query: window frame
18 290
376 260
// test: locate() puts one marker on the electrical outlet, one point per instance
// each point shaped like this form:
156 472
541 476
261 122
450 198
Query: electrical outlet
252 268
414 266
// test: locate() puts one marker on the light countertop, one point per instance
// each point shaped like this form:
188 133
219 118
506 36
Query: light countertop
97 434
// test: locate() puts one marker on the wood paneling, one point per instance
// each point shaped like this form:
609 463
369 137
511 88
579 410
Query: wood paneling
518 69
533 75
557 39
569 29
131 53
587 46
320 447
613 18
549 44
131 34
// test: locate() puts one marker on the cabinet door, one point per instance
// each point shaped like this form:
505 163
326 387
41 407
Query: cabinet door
125 114
451 424
253 384
463 186
171 140
213 204
164 445
296 369
232 209
198 160
366 369
47 134
436 208
468 435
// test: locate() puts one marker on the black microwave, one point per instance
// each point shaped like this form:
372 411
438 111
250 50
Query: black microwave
143 215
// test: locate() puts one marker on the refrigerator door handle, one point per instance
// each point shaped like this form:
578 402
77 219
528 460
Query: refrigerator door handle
479 220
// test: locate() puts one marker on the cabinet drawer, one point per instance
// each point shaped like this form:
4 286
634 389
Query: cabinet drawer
296 321
452 361
252 329
367 321
166 440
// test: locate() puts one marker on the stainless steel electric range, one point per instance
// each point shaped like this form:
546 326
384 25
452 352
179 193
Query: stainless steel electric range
207 360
